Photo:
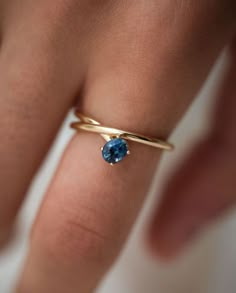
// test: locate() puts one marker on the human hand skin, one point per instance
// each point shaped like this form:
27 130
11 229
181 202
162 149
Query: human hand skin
134 65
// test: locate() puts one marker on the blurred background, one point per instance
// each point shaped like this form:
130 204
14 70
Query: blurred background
207 266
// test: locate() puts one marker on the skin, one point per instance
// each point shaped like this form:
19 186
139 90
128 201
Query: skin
135 65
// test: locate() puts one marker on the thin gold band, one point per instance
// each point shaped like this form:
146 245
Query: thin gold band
91 125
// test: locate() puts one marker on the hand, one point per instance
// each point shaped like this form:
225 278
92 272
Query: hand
135 65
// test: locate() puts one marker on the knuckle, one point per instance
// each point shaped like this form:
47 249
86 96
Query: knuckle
22 84
79 239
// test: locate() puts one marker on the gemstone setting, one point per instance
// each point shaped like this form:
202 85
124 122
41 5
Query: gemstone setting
115 150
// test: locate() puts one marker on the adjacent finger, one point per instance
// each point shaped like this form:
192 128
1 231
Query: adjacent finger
138 79
204 186
38 86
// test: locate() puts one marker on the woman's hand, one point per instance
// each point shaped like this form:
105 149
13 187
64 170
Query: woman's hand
134 65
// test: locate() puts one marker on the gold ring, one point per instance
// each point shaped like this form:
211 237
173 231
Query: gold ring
116 147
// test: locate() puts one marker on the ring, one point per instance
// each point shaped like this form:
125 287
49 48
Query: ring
116 146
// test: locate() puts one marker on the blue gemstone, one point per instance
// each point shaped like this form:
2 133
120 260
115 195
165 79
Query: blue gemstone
115 150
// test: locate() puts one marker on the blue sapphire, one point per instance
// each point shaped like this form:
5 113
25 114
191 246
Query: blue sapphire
115 150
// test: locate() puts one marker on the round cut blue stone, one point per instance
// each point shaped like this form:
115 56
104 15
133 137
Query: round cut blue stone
115 150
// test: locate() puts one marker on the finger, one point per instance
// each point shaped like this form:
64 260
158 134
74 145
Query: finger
37 88
91 206
204 186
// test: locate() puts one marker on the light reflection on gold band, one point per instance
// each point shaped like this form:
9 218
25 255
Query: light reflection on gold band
91 125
